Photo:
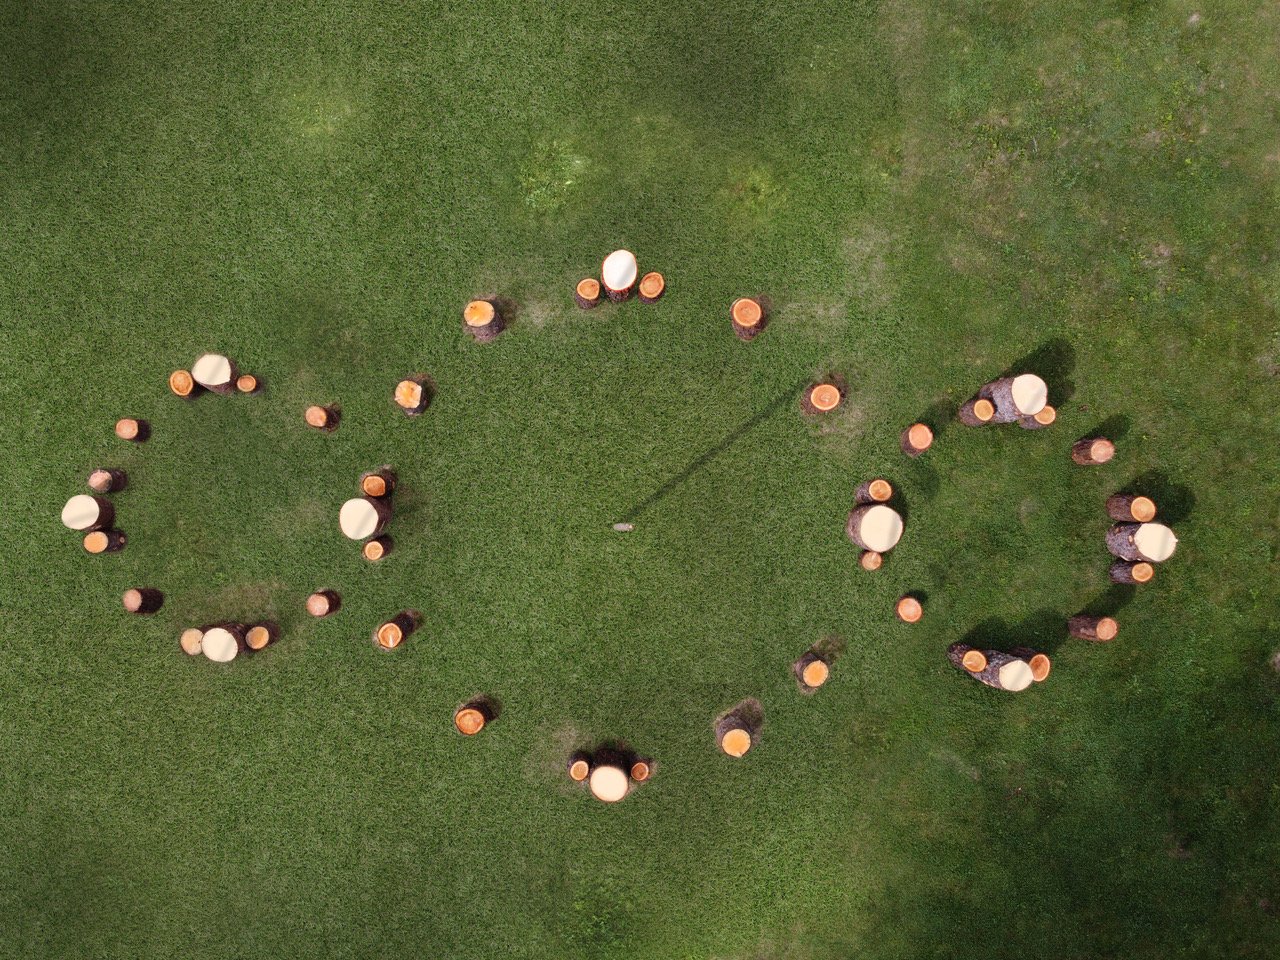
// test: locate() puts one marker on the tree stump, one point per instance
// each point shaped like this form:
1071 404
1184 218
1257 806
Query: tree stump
909 609
223 643
873 491
916 439
481 319
1123 571
321 418
363 517
135 431
977 412
1152 542
1039 421
84 512
107 480
587 293
182 383
104 541
874 527
652 287
214 372
259 637
746 315
820 398
1130 508
618 272
579 767
1016 397
391 634
142 600
1086 627
247 383
1092 451
191 641
377 548
811 671
378 483
870 560
322 603
412 394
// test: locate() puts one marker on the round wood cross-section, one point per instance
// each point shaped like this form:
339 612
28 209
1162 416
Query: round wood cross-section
736 742
652 287
1046 416
390 636
587 293
608 783
469 721
318 417
619 272
578 770
1092 451
1107 628
320 604
374 485
815 673
100 541
875 527
983 409
1030 394
376 549
219 645
128 428
640 771
83 512
747 312
1016 675
909 610
1142 572
1040 667
870 560
247 383
975 661
257 638
182 383
917 439
213 371
360 518
191 641
825 397
1155 542
142 600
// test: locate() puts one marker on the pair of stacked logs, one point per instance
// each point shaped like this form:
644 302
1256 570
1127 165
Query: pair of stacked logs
1135 540
363 518
94 515
873 525
1013 671
212 372
223 642
609 772
1021 399
617 281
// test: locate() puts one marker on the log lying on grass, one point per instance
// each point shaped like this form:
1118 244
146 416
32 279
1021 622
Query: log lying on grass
378 483
652 287
135 431
587 293
104 541
1092 451
1003 671
916 439
977 412
909 609
1038 662
579 767
84 512
1124 571
391 634
214 372
472 717
873 491
1131 508
738 730
363 517
247 383
223 643
182 383
609 783
412 394
322 603
259 637
1152 542
482 320
641 770
191 640
746 315
142 600
811 671
1016 397
107 480
377 548
321 418
874 527
870 560
1084 626
820 398
1039 421
618 272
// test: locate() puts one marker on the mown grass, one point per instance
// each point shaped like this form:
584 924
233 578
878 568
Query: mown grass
931 194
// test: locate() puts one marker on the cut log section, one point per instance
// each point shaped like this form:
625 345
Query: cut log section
378 483
619 273
84 512
811 671
1092 451
1131 508
214 372
871 560
104 541
1086 627
909 610
587 293
1016 397
223 644
874 527
977 412
641 770
967 658
321 418
376 549
322 603
579 767
821 398
608 783
1003 671
391 634
191 640
652 287
1039 421
1038 662
1124 571
106 480
469 721
142 600
259 637
874 491
482 320
182 383
247 383
135 431
736 732
916 439
412 395
363 517
1152 542
747 317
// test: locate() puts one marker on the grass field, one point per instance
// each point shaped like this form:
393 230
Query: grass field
930 193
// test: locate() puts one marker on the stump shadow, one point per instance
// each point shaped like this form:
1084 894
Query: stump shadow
1174 501
1054 362
1044 631
1111 601
508 310
1113 428
938 417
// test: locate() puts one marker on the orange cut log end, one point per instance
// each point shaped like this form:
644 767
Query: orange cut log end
96 542
374 486
910 610
390 635
1046 416
736 742
825 397
409 394
1142 572
578 770
652 285
920 436
316 416
247 383
128 429
478 313
747 312
1040 666
640 771
815 674
984 409
975 661
469 721
870 560
1107 628
588 288
257 637
182 383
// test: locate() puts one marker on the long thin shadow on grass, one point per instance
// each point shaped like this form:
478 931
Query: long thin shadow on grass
707 456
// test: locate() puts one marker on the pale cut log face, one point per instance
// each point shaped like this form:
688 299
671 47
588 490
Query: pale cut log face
1016 675
881 528
1155 541
578 770
191 641
736 743
211 370
358 519
1030 394
608 784
219 645
619 270
80 512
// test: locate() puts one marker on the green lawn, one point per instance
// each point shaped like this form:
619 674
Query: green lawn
930 194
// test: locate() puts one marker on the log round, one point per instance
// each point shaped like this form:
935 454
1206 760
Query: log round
1039 421
258 637
909 610
735 739
142 600
389 636
587 293
104 541
106 480
376 549
824 397
182 383
966 658
874 491
84 512
1092 451
870 560
1152 542
469 721
247 383
619 272
608 783
1015 397
482 320
652 287
579 768
320 418
127 428
214 372
378 483
977 412
916 439
220 645
1124 571
1084 626
191 641
1131 508
322 603
747 317
640 771
361 518
812 671
1040 666
874 527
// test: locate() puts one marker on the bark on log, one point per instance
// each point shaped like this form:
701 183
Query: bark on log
483 320
1122 541
996 661
1130 508
1000 392
1092 451
873 491
916 439
1086 627
977 412
747 316
1124 571
104 541
587 293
